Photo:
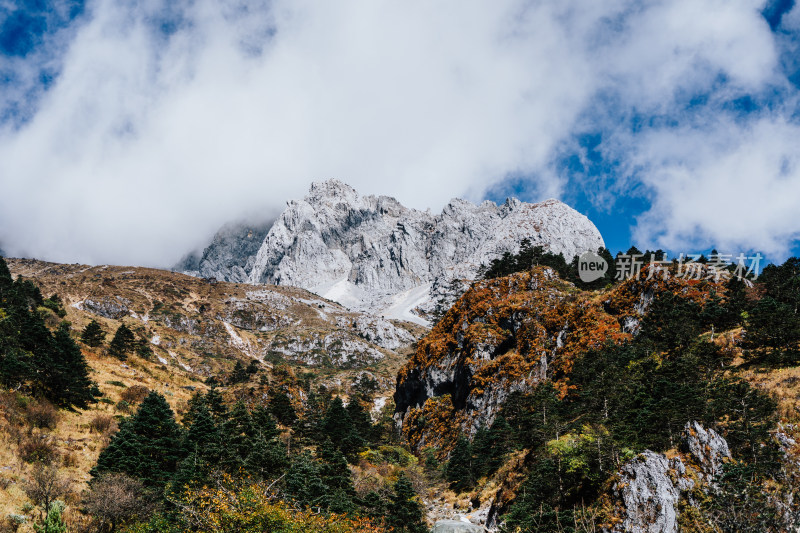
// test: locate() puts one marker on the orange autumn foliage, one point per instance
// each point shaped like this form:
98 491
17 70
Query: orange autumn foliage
254 507
510 333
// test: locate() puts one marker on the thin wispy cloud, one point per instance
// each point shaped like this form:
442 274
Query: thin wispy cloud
162 121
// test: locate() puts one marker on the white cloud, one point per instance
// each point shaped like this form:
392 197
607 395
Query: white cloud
730 186
145 145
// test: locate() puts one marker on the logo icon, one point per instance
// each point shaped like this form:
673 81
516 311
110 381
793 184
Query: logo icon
591 267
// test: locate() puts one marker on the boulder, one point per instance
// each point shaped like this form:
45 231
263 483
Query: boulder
456 526
708 448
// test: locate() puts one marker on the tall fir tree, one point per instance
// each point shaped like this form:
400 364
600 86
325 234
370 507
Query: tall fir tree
303 483
281 408
68 380
148 445
360 417
239 374
239 436
459 470
405 511
335 475
203 436
93 334
123 342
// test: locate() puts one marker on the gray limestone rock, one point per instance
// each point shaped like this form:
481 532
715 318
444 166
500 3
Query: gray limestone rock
707 446
650 486
372 253
114 308
377 331
456 526
648 494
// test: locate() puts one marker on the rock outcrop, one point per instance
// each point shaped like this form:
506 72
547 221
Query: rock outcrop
370 253
709 449
456 526
648 493
649 487
106 307
503 335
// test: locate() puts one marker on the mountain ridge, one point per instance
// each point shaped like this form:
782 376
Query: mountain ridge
371 253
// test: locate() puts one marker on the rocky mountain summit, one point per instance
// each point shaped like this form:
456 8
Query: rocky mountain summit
371 253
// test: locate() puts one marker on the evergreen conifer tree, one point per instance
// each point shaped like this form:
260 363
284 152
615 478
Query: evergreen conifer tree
303 482
238 436
267 458
203 437
335 475
265 424
143 349
6 281
360 417
405 512
67 381
337 424
147 445
281 407
239 374
122 343
93 334
216 405
459 469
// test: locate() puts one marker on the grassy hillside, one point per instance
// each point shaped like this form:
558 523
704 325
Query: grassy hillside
188 333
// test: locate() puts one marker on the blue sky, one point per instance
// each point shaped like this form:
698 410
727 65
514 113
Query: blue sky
141 127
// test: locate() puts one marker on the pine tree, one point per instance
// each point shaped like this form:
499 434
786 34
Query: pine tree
405 512
68 380
459 469
671 322
239 374
303 483
335 475
93 334
267 458
337 424
281 407
252 367
203 437
216 405
374 507
773 330
6 281
310 426
362 422
122 343
265 424
147 445
143 349
238 436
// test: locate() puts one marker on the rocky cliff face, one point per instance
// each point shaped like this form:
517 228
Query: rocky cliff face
372 253
506 335
503 335
649 487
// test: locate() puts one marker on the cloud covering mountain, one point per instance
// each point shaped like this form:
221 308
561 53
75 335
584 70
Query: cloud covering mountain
129 132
